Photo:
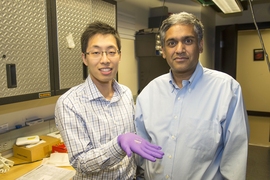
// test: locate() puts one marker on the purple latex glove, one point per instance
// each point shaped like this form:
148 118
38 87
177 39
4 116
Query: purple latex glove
131 142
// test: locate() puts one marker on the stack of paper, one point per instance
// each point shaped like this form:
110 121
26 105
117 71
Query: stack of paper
57 159
48 172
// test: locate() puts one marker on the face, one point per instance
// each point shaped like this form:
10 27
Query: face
181 49
102 69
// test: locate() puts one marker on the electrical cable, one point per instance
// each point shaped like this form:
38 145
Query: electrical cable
259 34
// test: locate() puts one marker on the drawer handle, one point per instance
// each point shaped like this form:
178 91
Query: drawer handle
11 75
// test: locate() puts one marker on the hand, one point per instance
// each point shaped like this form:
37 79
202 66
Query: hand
131 142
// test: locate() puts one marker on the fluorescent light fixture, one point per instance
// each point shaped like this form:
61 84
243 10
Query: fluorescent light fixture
229 6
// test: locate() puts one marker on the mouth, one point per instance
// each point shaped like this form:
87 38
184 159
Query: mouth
105 71
181 58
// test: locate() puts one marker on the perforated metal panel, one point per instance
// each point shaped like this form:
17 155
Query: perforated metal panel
23 42
72 18
103 11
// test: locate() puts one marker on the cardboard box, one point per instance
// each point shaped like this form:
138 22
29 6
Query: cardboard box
37 152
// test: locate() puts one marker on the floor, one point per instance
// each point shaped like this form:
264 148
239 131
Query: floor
258 167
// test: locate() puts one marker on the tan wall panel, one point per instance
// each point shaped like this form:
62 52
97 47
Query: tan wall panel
128 68
254 78
259 131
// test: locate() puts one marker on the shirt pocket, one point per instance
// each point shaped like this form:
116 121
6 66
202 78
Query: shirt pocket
201 134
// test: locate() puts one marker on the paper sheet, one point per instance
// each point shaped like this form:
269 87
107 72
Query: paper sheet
57 159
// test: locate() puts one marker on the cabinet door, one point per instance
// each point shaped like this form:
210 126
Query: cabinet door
24 65
36 60
72 18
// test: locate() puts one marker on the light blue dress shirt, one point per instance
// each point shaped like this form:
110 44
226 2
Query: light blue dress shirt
89 125
201 127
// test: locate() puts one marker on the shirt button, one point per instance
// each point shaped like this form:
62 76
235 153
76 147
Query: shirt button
175 117
167 176
178 98
173 137
170 156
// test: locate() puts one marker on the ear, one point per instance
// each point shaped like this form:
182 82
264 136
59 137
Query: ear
84 59
201 46
163 53
120 55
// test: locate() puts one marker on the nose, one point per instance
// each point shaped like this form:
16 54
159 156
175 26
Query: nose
104 58
180 48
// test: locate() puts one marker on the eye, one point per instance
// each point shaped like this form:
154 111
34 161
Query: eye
96 52
188 41
111 53
171 43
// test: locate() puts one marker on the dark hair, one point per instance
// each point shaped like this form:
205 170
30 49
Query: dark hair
183 18
98 27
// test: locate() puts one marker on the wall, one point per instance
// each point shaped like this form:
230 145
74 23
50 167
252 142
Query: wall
17 113
254 78
261 12
207 57
128 68
140 12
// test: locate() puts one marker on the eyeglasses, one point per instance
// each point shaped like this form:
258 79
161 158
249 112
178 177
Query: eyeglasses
111 54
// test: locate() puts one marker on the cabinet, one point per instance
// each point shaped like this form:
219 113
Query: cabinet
150 62
36 61
24 65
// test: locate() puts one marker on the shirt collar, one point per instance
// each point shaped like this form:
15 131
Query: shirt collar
93 92
196 75
192 80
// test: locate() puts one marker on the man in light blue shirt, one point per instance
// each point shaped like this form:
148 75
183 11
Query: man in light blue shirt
197 115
